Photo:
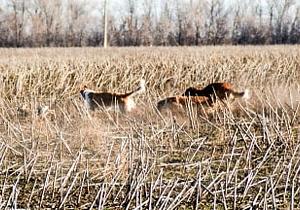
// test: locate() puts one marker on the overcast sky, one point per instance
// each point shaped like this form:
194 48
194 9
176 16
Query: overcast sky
120 7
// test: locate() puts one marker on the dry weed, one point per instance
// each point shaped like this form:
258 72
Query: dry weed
55 154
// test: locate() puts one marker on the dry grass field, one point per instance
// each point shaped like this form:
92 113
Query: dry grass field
245 156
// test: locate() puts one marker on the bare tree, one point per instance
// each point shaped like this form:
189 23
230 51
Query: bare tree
147 23
105 24
3 28
279 13
163 34
17 20
46 21
248 24
77 21
216 25
131 21
295 28
197 17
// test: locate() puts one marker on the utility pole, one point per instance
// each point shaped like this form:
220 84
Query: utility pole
105 24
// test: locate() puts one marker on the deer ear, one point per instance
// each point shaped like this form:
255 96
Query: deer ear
83 87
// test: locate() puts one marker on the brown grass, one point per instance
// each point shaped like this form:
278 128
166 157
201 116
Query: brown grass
241 157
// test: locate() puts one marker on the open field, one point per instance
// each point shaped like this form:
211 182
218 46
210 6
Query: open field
241 157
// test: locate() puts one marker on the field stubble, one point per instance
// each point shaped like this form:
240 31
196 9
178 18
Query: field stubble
241 157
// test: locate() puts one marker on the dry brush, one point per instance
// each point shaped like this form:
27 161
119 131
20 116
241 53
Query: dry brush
241 157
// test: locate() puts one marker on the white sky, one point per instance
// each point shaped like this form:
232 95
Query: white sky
120 7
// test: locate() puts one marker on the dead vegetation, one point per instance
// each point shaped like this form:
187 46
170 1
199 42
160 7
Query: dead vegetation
55 154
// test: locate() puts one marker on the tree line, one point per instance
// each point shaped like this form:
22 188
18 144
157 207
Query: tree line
68 23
